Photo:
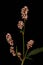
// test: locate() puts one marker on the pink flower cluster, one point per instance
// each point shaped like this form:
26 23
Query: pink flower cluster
11 43
20 24
12 51
30 44
9 39
24 12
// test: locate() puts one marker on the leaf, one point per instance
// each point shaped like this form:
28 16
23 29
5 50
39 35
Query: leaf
36 51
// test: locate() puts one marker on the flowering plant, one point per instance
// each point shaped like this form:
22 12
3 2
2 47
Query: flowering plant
21 26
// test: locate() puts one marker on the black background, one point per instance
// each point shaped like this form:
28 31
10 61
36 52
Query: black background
10 15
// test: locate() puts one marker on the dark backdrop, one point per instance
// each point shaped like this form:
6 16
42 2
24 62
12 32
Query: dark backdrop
10 15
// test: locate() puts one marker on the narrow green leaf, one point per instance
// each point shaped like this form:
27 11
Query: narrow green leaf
36 51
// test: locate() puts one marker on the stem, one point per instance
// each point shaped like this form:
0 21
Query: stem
26 53
24 58
22 62
23 39
23 45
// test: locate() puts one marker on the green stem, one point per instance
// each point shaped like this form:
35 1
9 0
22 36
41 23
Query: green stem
22 62
26 53
23 39
23 45
24 58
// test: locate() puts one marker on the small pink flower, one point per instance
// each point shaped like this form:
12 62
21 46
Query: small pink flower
14 54
19 54
20 24
29 44
25 16
9 39
24 12
12 51
8 35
